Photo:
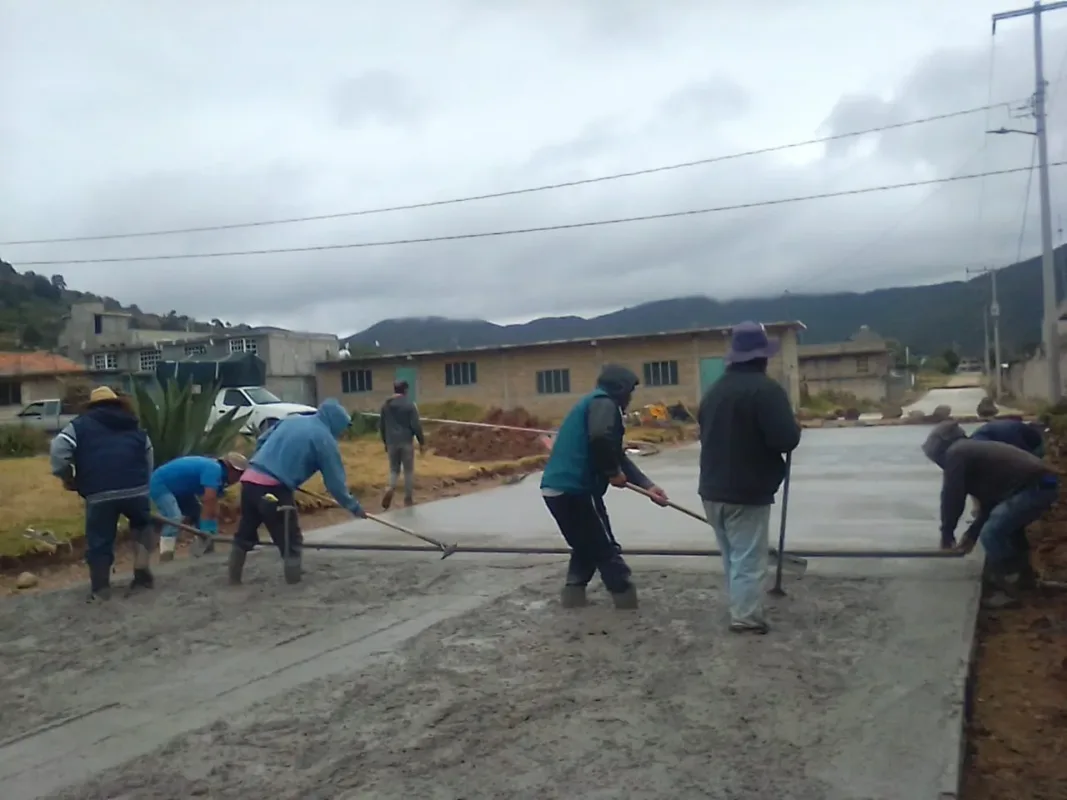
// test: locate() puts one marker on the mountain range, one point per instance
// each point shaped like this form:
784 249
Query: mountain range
928 319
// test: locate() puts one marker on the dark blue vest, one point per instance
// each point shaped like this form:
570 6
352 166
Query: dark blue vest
111 453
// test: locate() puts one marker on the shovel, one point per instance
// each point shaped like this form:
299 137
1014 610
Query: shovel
796 564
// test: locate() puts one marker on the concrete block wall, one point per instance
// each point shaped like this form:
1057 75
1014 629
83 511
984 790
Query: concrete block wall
507 378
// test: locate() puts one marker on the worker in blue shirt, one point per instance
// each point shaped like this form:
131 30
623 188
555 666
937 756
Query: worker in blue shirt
177 487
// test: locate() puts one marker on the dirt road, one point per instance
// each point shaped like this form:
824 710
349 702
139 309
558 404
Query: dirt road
199 690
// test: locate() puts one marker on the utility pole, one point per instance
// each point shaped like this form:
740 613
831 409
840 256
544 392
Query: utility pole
1048 266
994 312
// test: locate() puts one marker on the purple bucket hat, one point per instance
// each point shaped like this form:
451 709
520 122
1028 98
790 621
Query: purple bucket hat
748 341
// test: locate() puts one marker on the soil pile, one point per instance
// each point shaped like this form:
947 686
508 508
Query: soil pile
474 444
1018 727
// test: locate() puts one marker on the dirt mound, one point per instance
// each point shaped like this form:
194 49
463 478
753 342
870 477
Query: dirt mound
474 444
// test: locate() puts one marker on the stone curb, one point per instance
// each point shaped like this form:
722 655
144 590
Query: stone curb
962 699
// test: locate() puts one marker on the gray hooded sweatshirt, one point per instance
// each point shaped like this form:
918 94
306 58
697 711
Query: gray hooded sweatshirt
990 471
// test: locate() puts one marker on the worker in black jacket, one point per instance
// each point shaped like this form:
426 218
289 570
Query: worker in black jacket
106 457
1013 487
747 425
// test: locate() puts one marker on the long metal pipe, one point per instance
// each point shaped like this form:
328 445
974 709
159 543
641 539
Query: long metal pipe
632 551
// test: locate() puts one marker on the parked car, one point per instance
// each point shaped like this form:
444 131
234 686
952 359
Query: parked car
263 408
45 415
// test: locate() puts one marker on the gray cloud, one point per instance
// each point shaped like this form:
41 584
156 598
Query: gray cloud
178 120
375 95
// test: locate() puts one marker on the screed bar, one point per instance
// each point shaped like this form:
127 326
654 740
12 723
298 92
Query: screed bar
507 550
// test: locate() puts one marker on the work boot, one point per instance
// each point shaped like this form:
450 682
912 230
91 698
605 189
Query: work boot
759 628
167 545
1027 579
99 583
573 597
625 600
387 498
292 569
999 594
142 574
236 564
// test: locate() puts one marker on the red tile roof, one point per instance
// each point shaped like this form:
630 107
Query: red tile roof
37 363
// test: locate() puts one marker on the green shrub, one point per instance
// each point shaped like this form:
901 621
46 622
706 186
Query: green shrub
176 420
21 441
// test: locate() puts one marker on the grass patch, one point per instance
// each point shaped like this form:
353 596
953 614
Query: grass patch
31 497
825 402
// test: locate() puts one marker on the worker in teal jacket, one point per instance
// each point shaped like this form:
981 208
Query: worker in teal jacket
587 456
285 457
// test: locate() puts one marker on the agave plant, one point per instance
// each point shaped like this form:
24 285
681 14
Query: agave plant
178 421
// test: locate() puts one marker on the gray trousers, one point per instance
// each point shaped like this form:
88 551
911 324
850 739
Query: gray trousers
402 456
744 538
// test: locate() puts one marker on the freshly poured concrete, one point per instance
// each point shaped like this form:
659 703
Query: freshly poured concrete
962 400
399 677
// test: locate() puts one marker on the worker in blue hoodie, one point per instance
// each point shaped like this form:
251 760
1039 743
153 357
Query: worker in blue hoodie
1028 436
285 457
587 456
106 457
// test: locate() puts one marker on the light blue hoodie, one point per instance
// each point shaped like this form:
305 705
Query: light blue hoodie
299 446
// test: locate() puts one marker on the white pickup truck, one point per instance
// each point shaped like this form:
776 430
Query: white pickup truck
264 410
45 415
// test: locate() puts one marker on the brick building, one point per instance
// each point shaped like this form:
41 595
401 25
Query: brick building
546 378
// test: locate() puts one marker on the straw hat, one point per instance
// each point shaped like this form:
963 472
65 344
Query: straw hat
235 461
102 394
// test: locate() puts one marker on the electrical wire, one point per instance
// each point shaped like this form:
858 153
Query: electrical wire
858 251
511 192
538 229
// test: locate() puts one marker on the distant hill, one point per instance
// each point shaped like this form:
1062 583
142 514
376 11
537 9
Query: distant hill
32 308
929 319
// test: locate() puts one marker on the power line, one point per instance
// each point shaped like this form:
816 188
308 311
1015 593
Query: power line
511 192
538 229
854 253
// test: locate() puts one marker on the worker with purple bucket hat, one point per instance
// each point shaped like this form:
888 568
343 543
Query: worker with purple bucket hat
747 427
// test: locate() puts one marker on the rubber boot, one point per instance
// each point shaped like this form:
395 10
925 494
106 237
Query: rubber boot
1000 594
626 600
292 569
142 574
236 564
99 583
167 545
573 597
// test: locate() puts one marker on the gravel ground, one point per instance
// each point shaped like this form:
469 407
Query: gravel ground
518 699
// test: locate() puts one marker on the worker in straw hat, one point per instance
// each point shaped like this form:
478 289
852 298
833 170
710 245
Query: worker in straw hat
106 457
177 488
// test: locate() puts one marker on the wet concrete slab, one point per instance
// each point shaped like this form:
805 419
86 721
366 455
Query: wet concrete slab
858 692
849 488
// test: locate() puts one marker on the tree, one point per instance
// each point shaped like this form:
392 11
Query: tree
43 288
952 361
31 337
59 282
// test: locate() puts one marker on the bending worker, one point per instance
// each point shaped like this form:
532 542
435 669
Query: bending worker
106 457
285 457
400 425
587 456
178 485
1013 489
1028 436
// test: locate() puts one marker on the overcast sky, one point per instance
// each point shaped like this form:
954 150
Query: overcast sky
123 115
